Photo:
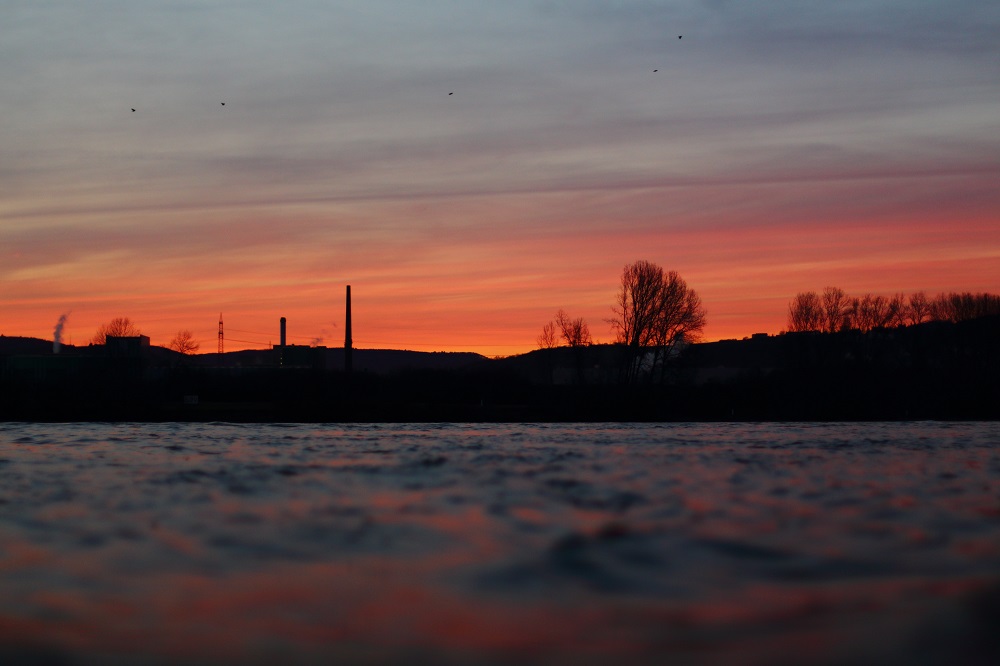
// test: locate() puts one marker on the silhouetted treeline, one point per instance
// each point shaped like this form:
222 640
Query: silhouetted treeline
935 370
834 310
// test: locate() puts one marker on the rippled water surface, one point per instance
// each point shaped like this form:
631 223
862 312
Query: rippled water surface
698 543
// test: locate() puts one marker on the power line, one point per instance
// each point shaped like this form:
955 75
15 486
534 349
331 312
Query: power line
301 337
428 344
250 342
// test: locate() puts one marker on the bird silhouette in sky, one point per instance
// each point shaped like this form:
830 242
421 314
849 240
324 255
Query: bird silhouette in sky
133 110
451 93
679 36
656 70
223 103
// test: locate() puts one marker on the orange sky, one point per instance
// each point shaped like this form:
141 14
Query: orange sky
489 296
772 153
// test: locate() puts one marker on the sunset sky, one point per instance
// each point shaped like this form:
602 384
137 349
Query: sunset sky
470 167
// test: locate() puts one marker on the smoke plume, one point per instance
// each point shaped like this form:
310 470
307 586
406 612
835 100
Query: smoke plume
57 334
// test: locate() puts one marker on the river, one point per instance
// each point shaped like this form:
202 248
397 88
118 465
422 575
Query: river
693 543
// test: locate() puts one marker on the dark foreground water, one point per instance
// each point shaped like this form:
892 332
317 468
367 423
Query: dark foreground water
562 544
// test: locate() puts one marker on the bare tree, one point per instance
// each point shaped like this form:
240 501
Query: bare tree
956 307
117 327
682 316
547 339
184 343
805 312
870 312
898 311
836 309
967 305
575 332
638 303
919 309
681 321
655 311
940 308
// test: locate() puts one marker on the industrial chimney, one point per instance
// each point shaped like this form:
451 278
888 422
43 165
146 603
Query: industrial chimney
347 334
281 345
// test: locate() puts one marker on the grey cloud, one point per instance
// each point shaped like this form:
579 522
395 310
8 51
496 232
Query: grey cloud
348 101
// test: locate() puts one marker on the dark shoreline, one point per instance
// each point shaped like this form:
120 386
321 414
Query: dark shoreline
943 372
395 400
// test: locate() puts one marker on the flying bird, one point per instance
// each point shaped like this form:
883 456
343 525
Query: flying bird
679 36
133 110
451 93
656 70
223 103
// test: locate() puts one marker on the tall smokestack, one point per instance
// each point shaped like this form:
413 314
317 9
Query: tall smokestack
281 344
348 343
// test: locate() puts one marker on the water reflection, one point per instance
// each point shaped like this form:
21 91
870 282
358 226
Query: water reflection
550 543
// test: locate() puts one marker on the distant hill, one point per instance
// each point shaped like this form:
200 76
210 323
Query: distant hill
16 346
378 361
935 370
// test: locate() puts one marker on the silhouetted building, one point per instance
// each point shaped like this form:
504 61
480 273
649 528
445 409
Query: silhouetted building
303 356
126 346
